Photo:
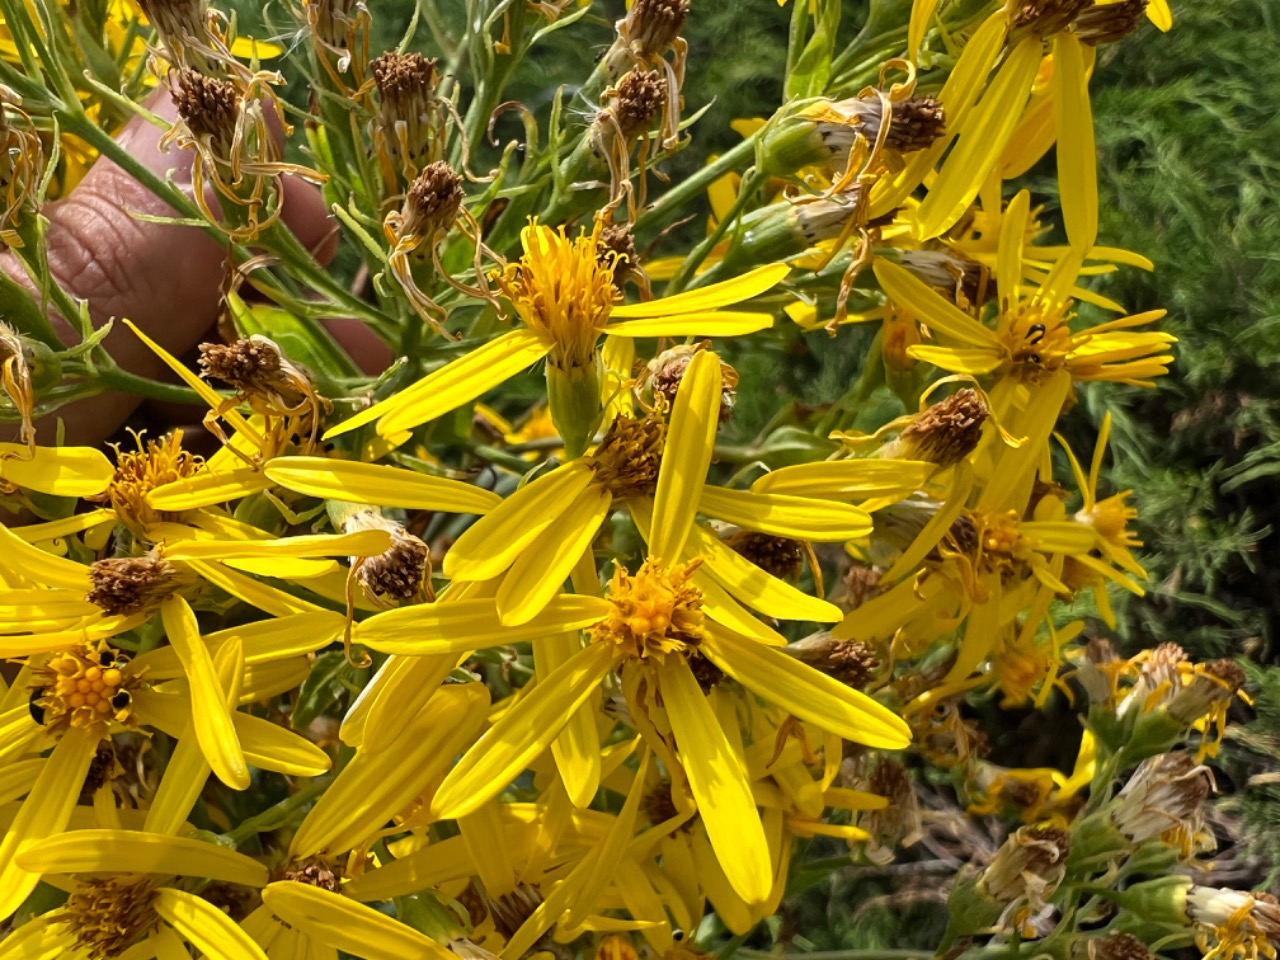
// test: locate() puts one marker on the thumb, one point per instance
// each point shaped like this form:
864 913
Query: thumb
167 278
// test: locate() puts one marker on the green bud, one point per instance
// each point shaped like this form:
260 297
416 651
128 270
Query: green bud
1094 839
574 395
1157 901
971 909
1155 732
44 365
789 141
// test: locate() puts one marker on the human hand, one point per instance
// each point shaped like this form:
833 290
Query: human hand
166 278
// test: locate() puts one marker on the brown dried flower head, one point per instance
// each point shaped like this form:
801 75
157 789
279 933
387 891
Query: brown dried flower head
627 459
666 371
109 915
410 122
1109 22
944 433
780 557
431 205
126 585
639 98
851 662
210 108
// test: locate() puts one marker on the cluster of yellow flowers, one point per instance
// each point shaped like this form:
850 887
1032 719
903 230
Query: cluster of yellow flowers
390 676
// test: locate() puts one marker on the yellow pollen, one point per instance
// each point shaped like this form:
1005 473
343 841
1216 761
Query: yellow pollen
140 471
628 458
1111 518
1036 340
84 687
563 291
655 613
107 916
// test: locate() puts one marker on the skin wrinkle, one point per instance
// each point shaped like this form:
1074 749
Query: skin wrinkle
167 278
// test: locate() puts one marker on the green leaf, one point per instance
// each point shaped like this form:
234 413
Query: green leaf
332 677
303 342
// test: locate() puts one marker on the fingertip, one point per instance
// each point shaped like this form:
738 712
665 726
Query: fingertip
364 346
304 212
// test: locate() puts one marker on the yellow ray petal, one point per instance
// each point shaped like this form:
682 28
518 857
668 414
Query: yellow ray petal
206 489
691 438
720 606
361 543
612 849
204 926
848 479
714 323
460 626
275 639
980 633
269 746
452 385
807 693
41 938
434 865
265 745
373 788
577 749
136 851
206 392
749 285
347 925
937 526
184 778
58 471
921 15
491 544
44 813
187 771
16 779
1160 15
524 731
718 780
54 529
981 141
539 573
1077 156
377 717
943 317
210 713
32 563
957 359
268 599
783 516
754 587
1013 235
379 484
1015 468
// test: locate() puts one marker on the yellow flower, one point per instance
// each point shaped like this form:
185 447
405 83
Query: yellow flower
539 533
654 627
83 694
562 289
124 888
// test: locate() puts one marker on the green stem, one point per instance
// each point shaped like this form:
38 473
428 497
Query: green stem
675 201
114 378
276 816
746 191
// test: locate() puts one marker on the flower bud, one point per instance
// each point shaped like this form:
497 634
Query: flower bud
574 398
